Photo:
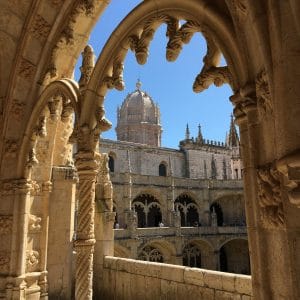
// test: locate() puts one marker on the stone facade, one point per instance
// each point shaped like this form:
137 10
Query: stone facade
189 201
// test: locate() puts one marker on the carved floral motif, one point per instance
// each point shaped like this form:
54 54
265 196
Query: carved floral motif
26 69
40 28
263 92
5 224
270 197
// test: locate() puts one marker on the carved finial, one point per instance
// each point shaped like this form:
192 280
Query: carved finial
138 84
187 132
88 63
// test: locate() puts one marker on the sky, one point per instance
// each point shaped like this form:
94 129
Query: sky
168 83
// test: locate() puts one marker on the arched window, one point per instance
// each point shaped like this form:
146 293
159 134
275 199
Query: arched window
162 170
191 256
188 210
111 163
151 254
148 210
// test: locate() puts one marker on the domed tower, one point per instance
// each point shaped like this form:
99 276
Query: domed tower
139 119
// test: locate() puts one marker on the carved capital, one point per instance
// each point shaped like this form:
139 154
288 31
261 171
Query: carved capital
289 167
87 163
270 196
5 224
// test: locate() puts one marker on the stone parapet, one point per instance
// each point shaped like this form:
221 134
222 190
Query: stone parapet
170 282
185 231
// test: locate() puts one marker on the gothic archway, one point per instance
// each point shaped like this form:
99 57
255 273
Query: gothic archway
191 256
148 210
189 211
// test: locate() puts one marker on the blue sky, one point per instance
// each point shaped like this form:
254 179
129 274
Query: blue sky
169 84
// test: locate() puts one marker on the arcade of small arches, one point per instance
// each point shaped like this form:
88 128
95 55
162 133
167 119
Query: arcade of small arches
231 255
152 212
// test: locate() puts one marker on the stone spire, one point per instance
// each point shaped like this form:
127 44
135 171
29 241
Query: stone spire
200 137
233 138
187 132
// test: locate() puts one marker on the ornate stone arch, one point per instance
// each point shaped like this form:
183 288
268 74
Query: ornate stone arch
63 92
136 32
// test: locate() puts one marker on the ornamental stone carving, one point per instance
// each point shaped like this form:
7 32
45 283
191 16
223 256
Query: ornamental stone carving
104 186
263 92
16 186
10 148
17 110
5 224
86 69
40 27
34 224
4 262
270 197
32 260
289 167
26 69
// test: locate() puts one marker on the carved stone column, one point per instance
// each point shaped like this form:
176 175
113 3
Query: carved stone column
104 222
14 255
87 163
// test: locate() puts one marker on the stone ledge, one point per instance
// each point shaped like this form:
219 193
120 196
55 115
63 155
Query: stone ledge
214 284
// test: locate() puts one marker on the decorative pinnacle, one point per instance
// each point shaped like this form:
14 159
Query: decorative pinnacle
187 132
138 84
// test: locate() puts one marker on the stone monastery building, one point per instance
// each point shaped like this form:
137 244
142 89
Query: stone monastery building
45 113
193 196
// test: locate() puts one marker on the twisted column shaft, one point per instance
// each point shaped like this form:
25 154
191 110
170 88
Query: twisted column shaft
87 164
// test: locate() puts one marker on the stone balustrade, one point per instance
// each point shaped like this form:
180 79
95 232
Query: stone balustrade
184 231
133 279
178 182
